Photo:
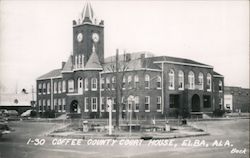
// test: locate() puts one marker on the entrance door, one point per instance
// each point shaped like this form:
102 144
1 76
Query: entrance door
74 106
195 103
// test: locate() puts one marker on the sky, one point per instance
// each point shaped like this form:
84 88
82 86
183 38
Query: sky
36 36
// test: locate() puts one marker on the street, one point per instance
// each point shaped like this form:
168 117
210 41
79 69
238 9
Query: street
227 139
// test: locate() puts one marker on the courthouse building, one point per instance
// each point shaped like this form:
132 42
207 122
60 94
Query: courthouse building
158 85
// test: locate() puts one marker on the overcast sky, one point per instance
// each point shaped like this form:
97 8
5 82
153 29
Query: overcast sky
36 36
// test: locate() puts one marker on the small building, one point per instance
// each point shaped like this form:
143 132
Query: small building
236 99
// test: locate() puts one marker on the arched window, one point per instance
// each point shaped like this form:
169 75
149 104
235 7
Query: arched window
93 84
158 82
136 78
171 79
220 86
147 81
191 80
201 81
48 88
113 82
108 83
80 85
129 82
71 86
209 82
180 80
86 84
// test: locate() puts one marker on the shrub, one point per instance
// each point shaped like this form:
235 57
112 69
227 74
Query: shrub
218 112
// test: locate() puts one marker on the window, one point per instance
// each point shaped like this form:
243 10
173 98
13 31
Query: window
86 84
40 105
136 104
191 80
158 102
147 104
123 82
220 86
63 105
113 82
147 83
207 101
108 83
55 87
39 88
44 88
158 82
59 105
181 80
130 104
174 101
136 78
221 103
102 83
130 82
86 104
102 104
48 88
80 85
63 86
93 84
209 83
59 87
44 105
55 104
171 79
48 104
94 104
70 85
200 81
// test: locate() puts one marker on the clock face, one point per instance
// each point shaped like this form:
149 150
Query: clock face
79 37
95 37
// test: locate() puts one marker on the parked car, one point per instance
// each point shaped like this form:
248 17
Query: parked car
12 115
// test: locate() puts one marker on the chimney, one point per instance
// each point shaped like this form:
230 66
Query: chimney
63 64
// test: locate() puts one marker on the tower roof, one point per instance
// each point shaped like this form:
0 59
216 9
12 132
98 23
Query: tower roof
93 62
87 13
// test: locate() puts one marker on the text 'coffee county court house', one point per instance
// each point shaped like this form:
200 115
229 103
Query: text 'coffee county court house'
156 86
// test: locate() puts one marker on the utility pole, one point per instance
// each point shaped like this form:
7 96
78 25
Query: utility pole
117 89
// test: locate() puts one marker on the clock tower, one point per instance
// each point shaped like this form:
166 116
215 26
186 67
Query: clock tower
88 35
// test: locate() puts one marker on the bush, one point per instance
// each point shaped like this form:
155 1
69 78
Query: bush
49 114
218 112
33 114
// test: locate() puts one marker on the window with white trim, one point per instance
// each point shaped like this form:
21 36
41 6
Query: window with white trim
102 83
94 104
86 84
44 105
63 105
158 82
55 104
123 82
108 83
171 79
181 80
209 82
86 104
44 88
147 103
220 86
102 104
48 88
147 81
191 80
40 105
48 104
114 105
71 86
136 78
130 82
55 87
130 104
59 87
63 86
137 104
94 84
39 88
113 80
201 81
59 105
158 103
